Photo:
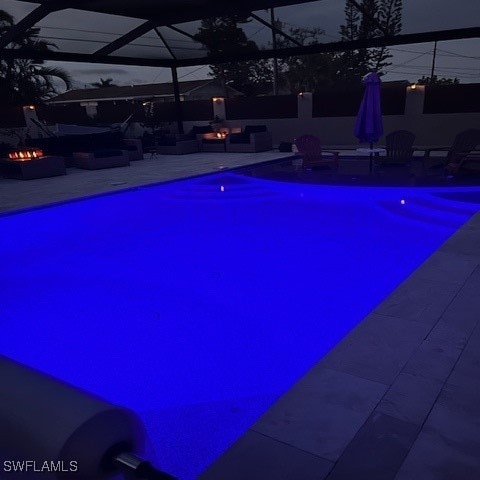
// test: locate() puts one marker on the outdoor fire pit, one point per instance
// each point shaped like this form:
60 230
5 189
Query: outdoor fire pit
214 141
30 163
23 155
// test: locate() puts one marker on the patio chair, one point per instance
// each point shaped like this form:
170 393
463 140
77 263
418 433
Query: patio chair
462 146
399 147
310 149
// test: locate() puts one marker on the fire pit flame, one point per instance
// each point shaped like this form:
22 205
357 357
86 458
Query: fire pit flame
22 155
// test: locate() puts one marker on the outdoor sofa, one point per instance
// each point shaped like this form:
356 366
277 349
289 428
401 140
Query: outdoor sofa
67 145
175 144
99 159
253 138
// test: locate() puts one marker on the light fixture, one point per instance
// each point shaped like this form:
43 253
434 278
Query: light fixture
217 100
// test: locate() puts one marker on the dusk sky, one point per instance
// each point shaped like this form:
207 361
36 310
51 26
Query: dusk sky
459 58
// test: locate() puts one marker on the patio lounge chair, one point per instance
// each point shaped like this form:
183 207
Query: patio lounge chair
310 149
462 146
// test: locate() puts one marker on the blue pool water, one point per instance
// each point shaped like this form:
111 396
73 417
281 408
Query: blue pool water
197 303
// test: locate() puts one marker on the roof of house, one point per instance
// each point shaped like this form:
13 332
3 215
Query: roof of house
127 92
396 83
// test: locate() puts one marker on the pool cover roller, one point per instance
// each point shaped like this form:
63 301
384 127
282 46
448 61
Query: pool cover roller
45 420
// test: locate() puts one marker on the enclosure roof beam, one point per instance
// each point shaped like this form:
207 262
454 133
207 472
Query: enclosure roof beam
182 32
167 46
125 39
12 53
440 35
276 30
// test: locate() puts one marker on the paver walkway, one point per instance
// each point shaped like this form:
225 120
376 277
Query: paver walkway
16 194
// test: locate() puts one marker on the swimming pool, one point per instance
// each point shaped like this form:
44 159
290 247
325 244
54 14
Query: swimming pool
197 303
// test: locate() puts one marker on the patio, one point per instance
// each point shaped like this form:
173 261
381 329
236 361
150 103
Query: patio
396 399
17 194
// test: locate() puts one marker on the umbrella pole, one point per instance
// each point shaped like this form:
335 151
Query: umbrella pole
371 157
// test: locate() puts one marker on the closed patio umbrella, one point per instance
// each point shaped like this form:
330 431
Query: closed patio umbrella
369 125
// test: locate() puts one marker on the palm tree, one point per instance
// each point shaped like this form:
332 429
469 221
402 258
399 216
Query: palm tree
23 80
5 19
104 83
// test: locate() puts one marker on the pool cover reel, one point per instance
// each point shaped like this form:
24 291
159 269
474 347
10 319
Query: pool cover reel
45 422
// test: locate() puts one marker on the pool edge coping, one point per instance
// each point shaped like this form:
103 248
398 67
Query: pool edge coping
273 425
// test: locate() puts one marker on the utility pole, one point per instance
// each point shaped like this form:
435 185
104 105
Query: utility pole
432 74
275 61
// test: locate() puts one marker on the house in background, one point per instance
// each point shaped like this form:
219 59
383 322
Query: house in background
153 92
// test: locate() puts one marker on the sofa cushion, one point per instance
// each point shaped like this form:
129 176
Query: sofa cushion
254 129
213 140
239 138
200 129
106 152
181 137
166 140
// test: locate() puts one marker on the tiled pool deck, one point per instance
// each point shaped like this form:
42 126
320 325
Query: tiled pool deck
398 398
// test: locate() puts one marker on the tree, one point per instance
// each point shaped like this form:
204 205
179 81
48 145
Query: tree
389 17
438 81
104 83
349 32
260 78
23 80
6 20
306 72
222 35
374 19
